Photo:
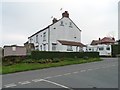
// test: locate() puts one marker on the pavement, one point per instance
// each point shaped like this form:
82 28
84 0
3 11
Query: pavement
101 74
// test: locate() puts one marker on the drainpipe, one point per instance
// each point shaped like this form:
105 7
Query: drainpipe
49 38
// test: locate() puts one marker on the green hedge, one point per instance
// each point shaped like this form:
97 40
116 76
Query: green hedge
46 57
115 50
51 55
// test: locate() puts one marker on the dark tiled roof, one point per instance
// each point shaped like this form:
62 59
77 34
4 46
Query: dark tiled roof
72 43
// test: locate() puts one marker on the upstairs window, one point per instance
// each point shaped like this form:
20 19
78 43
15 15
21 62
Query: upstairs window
70 24
44 36
30 40
61 23
36 38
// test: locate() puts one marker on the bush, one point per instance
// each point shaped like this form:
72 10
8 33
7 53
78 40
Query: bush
8 60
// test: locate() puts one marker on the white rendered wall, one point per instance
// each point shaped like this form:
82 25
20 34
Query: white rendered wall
58 32
40 40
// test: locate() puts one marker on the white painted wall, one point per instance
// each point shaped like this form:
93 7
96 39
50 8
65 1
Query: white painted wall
63 48
58 32
40 40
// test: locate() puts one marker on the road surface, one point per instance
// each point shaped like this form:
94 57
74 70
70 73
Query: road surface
102 74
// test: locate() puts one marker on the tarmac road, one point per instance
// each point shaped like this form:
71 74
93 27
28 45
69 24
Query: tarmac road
101 74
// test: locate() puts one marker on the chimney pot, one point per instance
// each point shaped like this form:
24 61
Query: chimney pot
54 20
113 38
99 39
65 14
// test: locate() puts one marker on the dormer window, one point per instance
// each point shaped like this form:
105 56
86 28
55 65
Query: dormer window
61 23
70 25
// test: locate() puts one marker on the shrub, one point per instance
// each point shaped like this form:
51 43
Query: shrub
8 60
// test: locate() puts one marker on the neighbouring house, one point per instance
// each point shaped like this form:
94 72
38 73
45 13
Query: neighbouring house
103 46
29 47
14 50
105 40
61 35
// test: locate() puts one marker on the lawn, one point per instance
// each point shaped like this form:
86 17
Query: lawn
33 66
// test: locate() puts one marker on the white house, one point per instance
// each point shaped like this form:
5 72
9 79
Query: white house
61 35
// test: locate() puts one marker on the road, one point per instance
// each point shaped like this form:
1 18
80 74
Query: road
102 74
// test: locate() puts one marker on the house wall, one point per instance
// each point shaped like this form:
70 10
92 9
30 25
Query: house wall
63 48
41 41
8 51
58 32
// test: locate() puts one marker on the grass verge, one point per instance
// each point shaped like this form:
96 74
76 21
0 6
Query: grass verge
33 66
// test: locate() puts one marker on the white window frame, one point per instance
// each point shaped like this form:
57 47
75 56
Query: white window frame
107 48
44 36
61 23
41 47
37 47
54 46
13 48
44 47
70 24
69 48
30 40
37 38
101 48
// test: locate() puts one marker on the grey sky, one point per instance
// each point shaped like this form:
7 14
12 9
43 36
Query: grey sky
96 18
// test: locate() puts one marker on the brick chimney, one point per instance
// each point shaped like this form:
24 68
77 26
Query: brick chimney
99 39
65 14
54 20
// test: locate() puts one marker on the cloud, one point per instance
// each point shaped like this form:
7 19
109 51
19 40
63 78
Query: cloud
22 18
13 38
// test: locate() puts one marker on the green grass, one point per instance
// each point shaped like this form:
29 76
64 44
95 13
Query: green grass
33 66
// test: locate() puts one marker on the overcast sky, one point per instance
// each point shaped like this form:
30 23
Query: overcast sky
22 18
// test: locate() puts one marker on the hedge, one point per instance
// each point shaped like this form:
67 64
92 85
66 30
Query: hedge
115 50
40 55
51 55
